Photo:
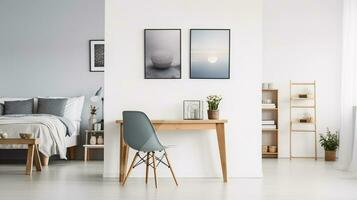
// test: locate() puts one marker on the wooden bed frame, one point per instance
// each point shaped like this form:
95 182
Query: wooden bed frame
71 155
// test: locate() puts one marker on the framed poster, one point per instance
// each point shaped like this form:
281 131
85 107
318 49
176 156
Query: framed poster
96 51
210 53
162 53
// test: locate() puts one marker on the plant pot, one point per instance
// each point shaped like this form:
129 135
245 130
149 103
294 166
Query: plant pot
213 114
330 155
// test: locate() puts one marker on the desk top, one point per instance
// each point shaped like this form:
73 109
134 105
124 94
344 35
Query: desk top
183 121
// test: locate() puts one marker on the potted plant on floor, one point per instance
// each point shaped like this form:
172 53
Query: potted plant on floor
329 142
213 103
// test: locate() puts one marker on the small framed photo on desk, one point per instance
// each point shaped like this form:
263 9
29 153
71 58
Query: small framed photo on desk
192 109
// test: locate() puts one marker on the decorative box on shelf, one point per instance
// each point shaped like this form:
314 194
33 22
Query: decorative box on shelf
94 139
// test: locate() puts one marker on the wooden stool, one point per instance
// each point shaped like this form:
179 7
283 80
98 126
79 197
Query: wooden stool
32 152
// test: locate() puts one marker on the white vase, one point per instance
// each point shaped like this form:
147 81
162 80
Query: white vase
93 140
100 140
92 120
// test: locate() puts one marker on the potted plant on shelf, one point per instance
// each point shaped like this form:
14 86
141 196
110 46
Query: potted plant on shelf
330 143
213 103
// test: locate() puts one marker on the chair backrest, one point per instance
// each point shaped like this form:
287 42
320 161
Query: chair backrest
139 133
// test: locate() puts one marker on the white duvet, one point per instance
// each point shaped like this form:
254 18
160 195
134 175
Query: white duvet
49 129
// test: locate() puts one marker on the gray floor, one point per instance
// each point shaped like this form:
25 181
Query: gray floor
284 179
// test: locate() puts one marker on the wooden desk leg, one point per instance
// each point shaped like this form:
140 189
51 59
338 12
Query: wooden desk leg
125 158
37 159
222 149
29 162
121 153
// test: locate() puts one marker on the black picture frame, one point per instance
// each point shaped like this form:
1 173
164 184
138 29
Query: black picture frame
146 54
92 67
229 54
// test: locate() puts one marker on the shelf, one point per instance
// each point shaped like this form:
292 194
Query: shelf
302 106
297 98
302 83
304 103
269 153
270 135
269 90
270 130
269 108
307 131
94 146
303 123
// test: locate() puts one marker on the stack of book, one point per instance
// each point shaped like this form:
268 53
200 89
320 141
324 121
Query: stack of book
268 124
268 105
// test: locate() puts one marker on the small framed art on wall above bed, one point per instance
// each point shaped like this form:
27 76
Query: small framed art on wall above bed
96 53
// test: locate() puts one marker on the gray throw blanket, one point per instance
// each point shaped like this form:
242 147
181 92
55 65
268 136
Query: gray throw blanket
50 129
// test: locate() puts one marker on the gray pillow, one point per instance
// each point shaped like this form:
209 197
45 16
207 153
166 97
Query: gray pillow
1 109
18 107
51 106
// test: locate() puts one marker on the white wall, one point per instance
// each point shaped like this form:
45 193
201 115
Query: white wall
196 153
302 42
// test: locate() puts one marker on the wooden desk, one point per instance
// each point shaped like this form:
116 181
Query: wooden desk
161 125
32 152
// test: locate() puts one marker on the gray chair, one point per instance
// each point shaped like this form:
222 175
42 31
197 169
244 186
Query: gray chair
139 134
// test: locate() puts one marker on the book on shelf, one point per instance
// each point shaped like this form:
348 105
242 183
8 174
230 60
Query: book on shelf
268 105
269 126
268 122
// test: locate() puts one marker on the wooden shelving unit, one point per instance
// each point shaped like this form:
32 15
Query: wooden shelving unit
308 103
270 137
88 147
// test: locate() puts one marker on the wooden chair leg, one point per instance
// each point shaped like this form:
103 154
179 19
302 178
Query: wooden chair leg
170 166
154 163
29 162
131 167
147 167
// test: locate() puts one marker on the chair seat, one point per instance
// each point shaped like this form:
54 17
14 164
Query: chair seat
157 149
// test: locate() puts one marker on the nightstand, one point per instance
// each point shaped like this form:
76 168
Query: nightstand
88 147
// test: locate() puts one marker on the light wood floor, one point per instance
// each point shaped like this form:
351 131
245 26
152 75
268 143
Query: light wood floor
284 179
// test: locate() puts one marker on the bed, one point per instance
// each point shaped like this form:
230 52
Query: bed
57 132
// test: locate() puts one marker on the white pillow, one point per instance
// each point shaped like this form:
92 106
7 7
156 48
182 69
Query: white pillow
74 107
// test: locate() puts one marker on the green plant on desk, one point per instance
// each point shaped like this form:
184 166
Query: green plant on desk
213 102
